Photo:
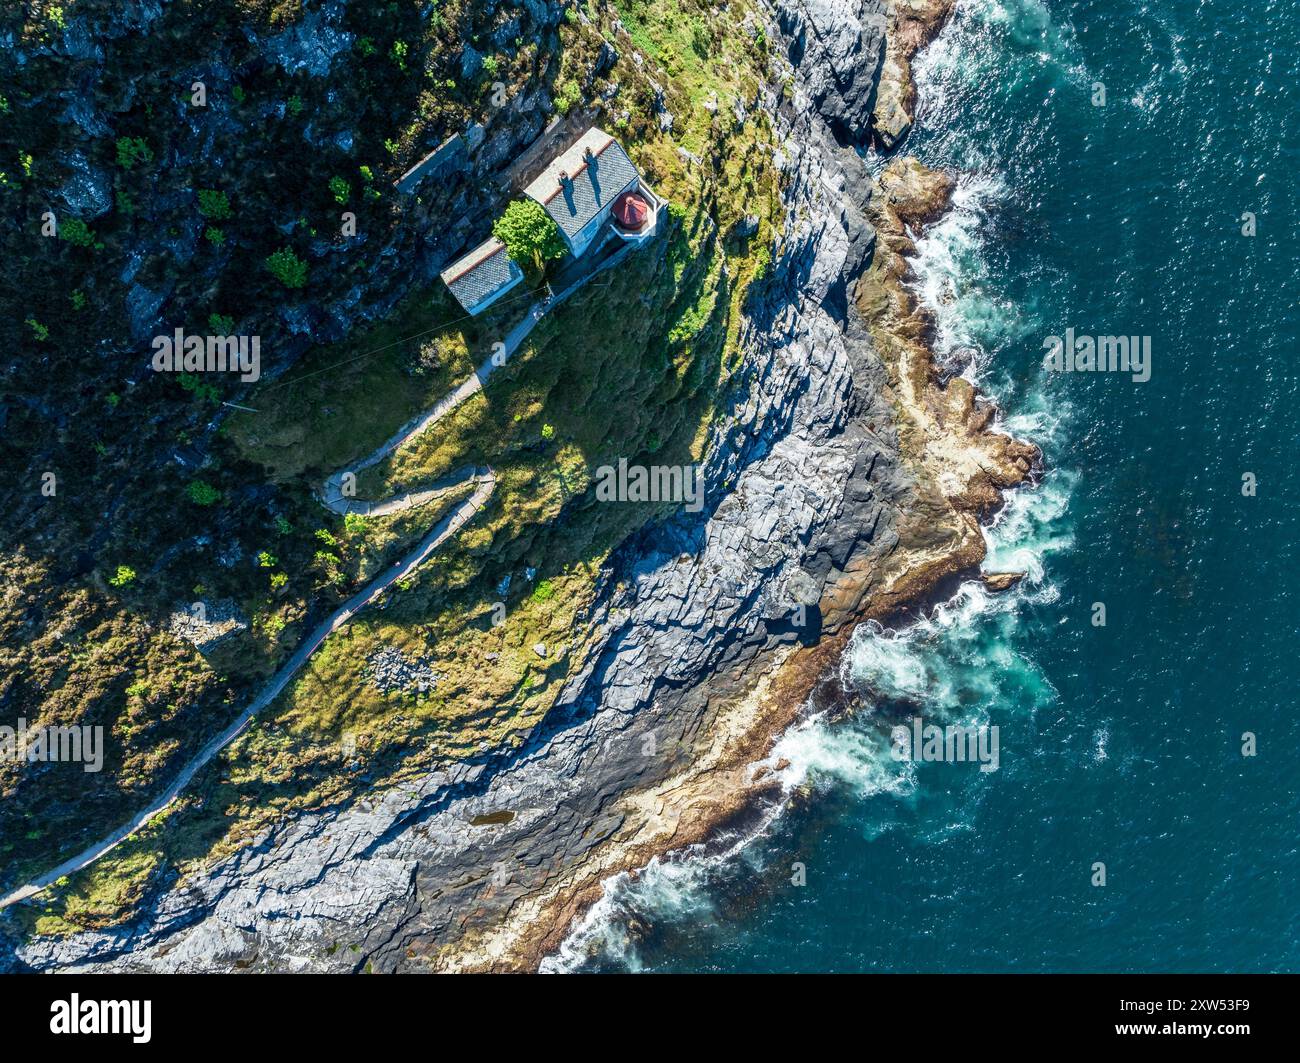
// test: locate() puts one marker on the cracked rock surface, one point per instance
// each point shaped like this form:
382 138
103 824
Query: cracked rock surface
806 484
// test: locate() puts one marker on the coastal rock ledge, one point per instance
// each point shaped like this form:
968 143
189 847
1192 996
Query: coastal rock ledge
848 484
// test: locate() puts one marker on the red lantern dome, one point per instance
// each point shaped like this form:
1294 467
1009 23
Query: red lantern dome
631 212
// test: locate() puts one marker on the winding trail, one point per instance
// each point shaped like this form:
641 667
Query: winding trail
443 530
333 497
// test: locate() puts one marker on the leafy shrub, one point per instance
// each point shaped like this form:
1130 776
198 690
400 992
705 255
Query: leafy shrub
124 576
437 351
200 388
76 232
288 268
544 591
202 494
700 42
569 97
214 204
340 189
131 151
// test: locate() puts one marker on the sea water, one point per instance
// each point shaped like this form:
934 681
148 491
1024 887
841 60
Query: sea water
1127 169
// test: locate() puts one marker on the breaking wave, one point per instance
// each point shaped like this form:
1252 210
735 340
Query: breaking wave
967 660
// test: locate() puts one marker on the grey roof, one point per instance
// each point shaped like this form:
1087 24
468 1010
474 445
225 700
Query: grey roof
484 272
594 182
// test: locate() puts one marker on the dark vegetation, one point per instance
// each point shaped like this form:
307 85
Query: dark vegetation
164 497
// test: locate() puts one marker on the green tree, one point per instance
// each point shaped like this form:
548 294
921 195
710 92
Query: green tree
288 268
214 204
132 150
77 232
528 233
202 494
124 575
198 387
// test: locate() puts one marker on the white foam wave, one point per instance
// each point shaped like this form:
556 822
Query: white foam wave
666 889
972 52
952 279
822 754
962 661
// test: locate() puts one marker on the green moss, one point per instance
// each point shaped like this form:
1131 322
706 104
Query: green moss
632 365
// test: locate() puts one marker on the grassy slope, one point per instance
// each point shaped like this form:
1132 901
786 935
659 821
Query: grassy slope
628 368
75 646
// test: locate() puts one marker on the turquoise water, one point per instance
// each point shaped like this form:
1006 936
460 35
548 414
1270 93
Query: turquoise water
1119 744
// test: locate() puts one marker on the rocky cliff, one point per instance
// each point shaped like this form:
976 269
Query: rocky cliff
846 482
